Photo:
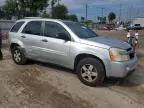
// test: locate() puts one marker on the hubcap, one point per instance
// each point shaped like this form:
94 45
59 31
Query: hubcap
17 56
89 72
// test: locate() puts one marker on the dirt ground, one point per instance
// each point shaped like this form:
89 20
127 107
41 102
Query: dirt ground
41 85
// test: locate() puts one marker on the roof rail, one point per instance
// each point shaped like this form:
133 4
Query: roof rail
32 17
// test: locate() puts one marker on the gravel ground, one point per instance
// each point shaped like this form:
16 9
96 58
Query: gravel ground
41 85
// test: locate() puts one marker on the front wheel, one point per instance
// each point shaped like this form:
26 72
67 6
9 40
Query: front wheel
18 56
91 71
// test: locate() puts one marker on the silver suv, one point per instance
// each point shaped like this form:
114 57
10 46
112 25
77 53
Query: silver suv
73 46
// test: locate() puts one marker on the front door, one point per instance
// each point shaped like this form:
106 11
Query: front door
56 50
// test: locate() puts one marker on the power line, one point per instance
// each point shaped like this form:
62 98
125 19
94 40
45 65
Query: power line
102 11
86 11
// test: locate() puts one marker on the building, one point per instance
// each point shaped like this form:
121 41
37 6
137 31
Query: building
138 21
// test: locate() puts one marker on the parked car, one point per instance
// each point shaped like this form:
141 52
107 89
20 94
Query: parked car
120 28
103 27
106 27
71 45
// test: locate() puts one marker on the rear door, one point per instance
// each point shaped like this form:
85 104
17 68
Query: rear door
13 34
31 36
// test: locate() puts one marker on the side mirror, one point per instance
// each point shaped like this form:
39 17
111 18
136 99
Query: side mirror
62 36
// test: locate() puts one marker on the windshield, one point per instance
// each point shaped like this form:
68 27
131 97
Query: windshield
80 30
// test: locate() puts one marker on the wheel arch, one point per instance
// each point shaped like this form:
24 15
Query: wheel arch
13 45
83 55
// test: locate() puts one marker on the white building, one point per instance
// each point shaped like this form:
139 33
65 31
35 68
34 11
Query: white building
139 21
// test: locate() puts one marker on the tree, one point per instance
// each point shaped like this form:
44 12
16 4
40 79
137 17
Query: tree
11 8
45 15
22 8
82 19
59 12
1 13
89 21
101 20
53 2
31 7
111 16
104 20
73 18
98 18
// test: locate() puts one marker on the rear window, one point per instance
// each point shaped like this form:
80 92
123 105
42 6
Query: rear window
33 27
17 26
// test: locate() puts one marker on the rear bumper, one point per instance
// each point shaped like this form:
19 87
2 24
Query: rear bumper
122 69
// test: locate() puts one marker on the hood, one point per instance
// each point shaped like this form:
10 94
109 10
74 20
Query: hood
106 42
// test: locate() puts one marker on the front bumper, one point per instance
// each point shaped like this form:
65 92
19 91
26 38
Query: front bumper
122 69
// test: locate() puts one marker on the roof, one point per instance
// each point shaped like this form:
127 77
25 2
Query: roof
32 17
42 19
38 18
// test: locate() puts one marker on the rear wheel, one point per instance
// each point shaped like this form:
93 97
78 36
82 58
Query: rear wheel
91 71
18 56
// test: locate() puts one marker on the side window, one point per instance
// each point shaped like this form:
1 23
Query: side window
17 26
33 27
52 28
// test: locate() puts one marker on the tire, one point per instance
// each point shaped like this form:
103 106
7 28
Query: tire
92 76
18 56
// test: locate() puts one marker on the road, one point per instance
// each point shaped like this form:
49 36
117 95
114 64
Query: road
41 85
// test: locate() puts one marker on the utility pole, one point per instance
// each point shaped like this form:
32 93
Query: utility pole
102 11
137 12
130 12
58 1
86 11
120 13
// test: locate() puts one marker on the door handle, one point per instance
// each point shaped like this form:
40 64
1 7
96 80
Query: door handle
23 36
44 40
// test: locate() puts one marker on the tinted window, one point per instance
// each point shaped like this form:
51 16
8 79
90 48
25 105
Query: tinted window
80 30
33 27
51 29
17 26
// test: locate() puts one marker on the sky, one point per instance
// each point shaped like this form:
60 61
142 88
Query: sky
129 8
2 2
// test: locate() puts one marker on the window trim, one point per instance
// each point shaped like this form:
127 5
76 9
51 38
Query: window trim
41 32
44 23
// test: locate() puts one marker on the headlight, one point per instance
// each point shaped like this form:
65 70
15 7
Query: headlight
117 54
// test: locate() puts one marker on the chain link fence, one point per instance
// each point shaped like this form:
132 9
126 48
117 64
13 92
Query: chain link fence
5 26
